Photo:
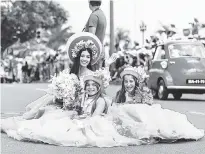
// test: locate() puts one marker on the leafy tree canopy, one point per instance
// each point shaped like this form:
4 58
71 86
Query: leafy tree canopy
21 19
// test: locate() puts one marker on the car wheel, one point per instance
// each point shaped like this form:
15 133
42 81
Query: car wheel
177 95
162 91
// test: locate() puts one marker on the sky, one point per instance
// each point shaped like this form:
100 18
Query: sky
129 13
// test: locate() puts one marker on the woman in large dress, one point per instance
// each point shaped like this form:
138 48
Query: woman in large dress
84 50
140 118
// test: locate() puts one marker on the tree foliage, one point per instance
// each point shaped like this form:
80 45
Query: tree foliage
58 37
22 19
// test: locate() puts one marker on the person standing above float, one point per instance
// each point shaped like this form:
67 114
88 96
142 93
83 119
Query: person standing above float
96 25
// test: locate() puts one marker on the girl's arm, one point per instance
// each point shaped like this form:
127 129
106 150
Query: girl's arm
100 107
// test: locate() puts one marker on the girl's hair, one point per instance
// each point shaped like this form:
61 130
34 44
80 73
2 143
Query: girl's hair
97 96
76 64
120 97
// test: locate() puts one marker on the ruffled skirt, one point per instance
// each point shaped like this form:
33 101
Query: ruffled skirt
124 125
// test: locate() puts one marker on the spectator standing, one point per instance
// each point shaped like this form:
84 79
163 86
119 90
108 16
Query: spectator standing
96 25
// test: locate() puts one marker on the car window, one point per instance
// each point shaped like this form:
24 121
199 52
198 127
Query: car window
186 50
160 53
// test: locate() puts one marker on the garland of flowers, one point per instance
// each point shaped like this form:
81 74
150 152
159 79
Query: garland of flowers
142 74
104 75
83 45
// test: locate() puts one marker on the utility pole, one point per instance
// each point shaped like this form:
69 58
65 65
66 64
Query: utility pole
112 40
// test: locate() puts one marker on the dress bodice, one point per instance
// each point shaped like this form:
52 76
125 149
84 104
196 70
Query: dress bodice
134 99
128 98
87 105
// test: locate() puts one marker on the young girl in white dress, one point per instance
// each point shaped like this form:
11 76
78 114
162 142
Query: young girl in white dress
140 118
94 102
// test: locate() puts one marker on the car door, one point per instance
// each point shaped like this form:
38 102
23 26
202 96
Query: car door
157 69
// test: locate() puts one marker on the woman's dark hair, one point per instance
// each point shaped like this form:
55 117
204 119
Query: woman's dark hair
95 3
76 64
120 98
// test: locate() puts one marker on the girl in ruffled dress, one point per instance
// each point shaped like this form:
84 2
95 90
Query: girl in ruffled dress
136 116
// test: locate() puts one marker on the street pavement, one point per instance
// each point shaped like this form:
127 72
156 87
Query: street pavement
14 98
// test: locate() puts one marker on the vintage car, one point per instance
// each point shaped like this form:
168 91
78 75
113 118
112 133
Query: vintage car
178 67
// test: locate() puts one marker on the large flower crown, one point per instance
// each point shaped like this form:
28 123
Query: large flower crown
138 72
83 45
101 76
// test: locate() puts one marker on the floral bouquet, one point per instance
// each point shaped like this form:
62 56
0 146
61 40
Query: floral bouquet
66 87
143 95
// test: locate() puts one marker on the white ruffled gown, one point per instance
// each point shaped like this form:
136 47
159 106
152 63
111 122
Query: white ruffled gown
125 124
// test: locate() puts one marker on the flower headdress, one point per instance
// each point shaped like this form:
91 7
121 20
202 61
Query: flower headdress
138 72
81 41
101 76
83 45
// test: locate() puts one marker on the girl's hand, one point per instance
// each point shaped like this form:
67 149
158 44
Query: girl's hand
113 58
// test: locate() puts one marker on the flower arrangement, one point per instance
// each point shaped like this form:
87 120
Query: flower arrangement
138 72
103 75
84 44
142 74
143 95
67 87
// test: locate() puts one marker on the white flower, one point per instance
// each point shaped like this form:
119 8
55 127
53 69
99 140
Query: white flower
104 75
65 86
